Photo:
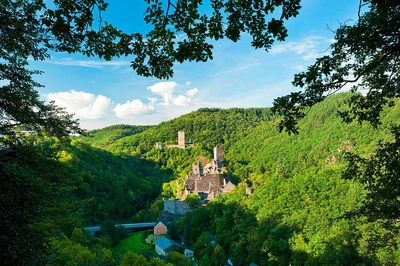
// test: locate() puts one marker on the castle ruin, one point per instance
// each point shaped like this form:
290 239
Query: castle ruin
208 181
181 142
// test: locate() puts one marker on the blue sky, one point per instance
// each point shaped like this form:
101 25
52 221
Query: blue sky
102 93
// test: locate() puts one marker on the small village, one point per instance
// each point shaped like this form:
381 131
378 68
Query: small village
205 181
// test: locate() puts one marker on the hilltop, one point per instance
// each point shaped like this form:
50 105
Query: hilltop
205 127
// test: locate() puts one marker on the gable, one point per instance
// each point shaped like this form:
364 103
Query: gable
160 224
163 243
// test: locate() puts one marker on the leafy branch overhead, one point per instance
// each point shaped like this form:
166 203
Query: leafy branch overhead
180 32
364 57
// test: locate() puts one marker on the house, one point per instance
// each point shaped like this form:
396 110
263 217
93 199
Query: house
228 187
160 228
165 245
188 253
162 245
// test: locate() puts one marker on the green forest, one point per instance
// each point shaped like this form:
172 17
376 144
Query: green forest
305 209
316 175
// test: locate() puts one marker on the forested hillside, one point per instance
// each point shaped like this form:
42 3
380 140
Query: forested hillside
111 187
303 211
322 140
102 138
205 128
122 185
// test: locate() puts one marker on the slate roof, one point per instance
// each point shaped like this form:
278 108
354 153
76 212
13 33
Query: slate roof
228 187
164 243
163 221
210 182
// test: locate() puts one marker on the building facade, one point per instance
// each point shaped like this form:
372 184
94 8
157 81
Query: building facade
160 228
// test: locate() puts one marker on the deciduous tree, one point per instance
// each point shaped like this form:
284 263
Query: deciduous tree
364 57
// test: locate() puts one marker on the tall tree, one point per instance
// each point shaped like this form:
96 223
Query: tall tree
380 174
34 204
364 57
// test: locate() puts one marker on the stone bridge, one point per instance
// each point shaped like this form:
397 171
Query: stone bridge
94 229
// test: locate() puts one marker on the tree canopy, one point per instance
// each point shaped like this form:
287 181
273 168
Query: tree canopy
30 29
363 58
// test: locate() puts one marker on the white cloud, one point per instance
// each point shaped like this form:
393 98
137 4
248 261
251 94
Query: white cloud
181 100
237 69
298 67
191 92
84 105
188 83
152 100
90 63
165 89
135 107
307 47
95 109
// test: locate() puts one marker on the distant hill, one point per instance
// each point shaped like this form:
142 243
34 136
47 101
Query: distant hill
205 128
102 138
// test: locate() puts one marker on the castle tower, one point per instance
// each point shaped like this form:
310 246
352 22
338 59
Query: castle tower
219 156
196 169
181 138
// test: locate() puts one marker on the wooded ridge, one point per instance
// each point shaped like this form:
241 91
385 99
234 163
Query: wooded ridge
304 210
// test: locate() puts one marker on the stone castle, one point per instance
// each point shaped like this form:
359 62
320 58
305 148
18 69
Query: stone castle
208 181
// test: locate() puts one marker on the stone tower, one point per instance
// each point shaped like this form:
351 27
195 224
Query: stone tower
219 156
181 138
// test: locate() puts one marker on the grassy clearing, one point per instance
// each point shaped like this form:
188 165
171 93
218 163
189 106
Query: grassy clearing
133 243
152 238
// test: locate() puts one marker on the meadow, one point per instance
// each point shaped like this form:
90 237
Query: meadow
135 244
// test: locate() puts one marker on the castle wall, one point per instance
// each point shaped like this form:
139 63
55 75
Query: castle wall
176 207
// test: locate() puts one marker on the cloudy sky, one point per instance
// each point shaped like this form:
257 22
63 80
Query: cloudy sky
102 93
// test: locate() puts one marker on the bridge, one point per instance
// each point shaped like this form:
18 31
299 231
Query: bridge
94 229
